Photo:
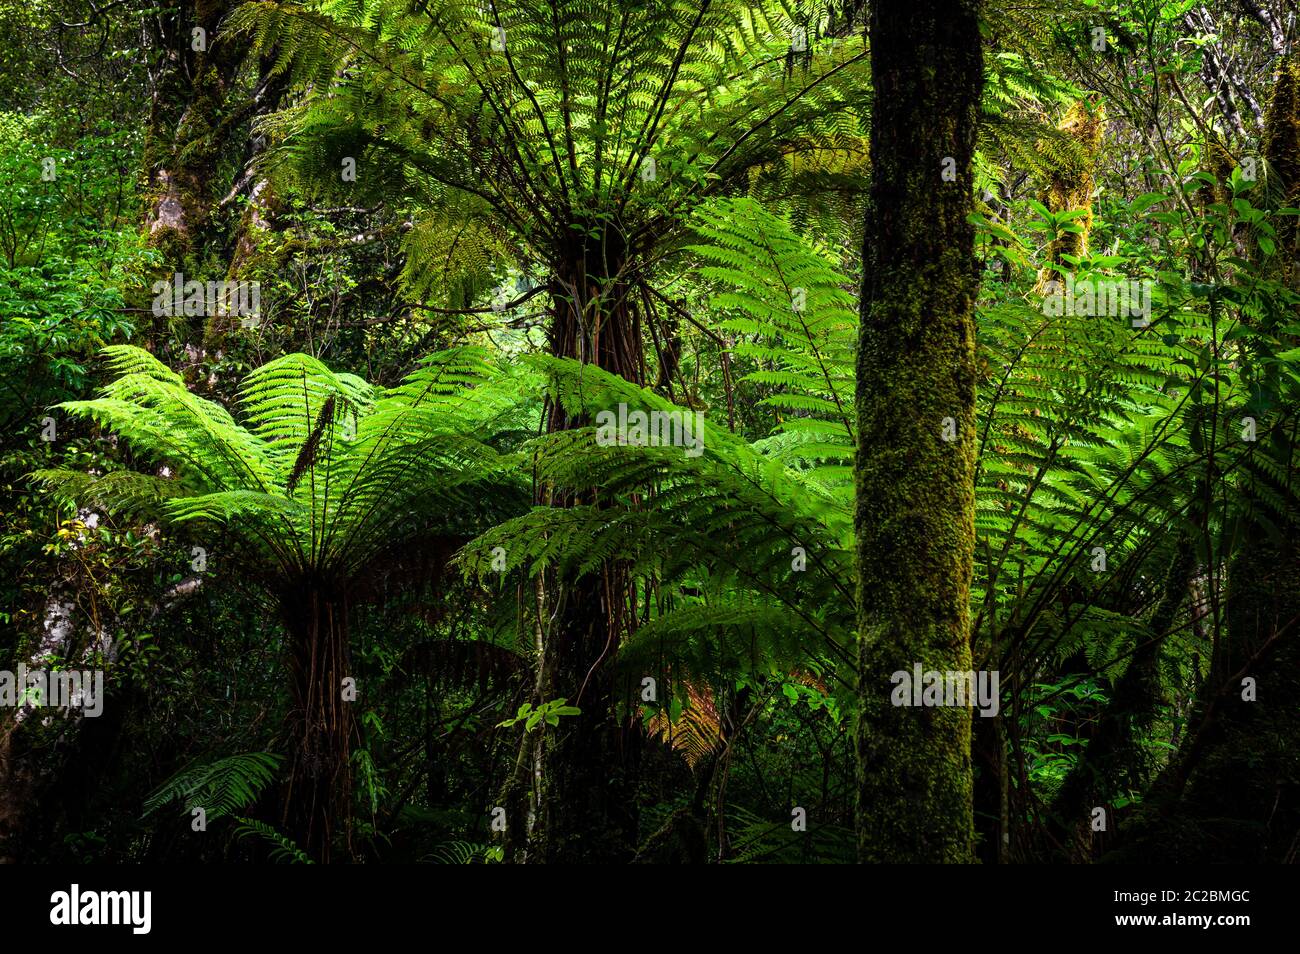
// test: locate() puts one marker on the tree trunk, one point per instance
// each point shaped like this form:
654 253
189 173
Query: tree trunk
183 145
991 791
261 215
1070 188
916 389
317 805
584 771
190 120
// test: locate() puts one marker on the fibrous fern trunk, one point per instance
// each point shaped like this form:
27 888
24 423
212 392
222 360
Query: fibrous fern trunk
916 420
585 778
317 807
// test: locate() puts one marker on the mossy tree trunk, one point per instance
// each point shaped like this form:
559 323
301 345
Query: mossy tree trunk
183 143
1071 184
1281 153
916 387
191 117
261 215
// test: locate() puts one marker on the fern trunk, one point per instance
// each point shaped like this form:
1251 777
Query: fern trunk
585 770
916 386
991 791
318 790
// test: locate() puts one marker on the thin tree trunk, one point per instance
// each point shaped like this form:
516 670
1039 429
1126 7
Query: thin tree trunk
916 386
991 790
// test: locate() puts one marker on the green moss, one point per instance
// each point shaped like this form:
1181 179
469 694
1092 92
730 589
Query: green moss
1071 184
1281 151
915 490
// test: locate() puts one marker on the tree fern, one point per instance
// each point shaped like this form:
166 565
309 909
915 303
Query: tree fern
326 483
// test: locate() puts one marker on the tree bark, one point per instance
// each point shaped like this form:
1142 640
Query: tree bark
183 145
916 385
584 770
1070 187
191 114
991 791
317 803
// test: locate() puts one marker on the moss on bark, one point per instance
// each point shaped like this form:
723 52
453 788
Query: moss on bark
916 386
1281 154
1070 186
